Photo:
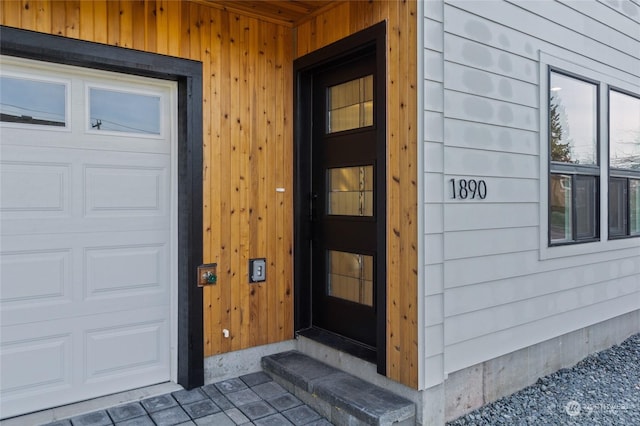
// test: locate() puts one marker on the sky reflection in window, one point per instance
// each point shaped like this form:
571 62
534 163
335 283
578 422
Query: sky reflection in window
32 102
116 111
624 131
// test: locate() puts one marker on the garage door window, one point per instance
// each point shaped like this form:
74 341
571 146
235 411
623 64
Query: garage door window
124 112
33 102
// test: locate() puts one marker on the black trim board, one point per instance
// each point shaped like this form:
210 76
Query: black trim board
188 75
372 38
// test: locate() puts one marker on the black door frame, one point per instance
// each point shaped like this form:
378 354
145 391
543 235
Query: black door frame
188 75
367 40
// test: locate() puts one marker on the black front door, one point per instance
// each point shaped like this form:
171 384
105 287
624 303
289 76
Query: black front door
343 221
341 200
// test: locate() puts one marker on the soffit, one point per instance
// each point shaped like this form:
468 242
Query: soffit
286 12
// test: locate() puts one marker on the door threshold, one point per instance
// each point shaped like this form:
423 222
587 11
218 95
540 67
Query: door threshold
340 343
71 410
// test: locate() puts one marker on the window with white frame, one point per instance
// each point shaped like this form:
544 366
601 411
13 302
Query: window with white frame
624 164
575 166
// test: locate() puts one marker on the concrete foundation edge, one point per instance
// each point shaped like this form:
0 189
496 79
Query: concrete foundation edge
234 364
478 385
463 391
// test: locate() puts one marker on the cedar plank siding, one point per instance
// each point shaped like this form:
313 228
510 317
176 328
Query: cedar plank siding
247 143
402 280
248 147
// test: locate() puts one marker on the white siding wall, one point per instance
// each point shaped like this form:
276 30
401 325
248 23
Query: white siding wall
433 128
492 285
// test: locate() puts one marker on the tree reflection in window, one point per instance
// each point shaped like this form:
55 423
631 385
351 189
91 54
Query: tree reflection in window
560 151
572 120
573 152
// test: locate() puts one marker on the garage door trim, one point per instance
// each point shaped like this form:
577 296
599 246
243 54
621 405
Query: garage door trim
188 75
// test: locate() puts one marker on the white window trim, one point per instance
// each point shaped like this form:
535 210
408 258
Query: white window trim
127 89
606 81
14 68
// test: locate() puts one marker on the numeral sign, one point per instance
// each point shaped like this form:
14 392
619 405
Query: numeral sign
468 189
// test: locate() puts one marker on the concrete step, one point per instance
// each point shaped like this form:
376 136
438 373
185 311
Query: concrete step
340 397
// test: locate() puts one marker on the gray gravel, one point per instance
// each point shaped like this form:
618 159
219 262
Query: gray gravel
602 389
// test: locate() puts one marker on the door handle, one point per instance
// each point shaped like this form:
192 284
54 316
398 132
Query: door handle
313 214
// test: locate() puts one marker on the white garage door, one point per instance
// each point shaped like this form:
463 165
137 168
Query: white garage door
87 233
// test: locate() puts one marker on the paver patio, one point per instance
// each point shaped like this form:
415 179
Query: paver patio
253 399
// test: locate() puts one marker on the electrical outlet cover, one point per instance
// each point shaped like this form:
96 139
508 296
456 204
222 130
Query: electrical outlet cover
257 270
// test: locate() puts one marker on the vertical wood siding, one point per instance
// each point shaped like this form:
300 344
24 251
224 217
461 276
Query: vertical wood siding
247 66
247 106
334 24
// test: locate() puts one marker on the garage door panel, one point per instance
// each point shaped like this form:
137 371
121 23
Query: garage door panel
34 190
72 192
30 278
125 271
48 355
131 346
73 277
99 355
139 349
125 191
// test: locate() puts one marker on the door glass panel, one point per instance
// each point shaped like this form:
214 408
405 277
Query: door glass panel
350 277
350 105
32 102
126 112
350 191
560 211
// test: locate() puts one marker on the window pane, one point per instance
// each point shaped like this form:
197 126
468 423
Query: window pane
573 120
624 128
351 105
351 191
617 207
124 112
32 102
560 211
586 217
350 276
634 206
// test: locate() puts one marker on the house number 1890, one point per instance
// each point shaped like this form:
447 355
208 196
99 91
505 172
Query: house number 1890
468 189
